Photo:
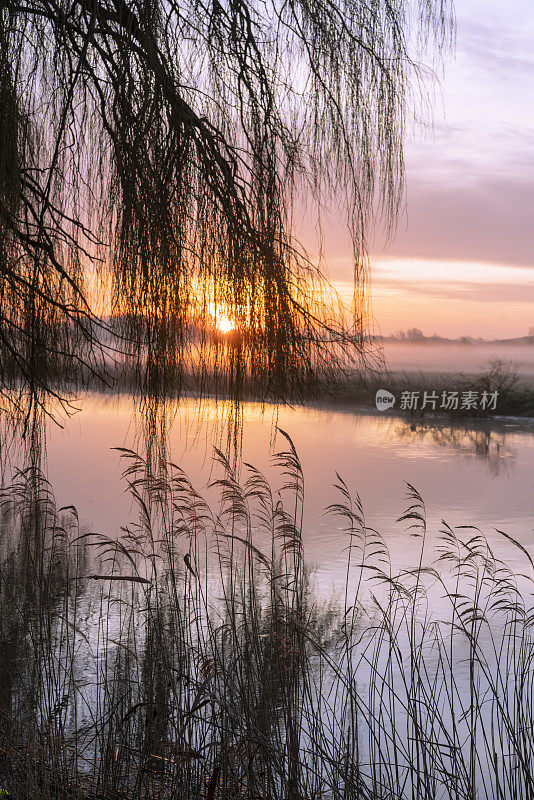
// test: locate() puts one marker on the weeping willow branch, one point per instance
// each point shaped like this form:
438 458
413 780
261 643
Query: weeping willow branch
155 153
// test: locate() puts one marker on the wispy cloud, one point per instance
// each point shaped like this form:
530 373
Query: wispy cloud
464 290
485 219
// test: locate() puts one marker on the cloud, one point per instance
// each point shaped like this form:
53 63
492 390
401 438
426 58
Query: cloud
471 188
483 218
500 45
470 181
461 290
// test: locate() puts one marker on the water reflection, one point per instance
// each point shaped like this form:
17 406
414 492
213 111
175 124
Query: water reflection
472 473
488 442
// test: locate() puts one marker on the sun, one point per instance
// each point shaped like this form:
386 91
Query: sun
225 324
219 318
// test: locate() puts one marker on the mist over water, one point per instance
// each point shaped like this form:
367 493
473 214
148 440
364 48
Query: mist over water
451 358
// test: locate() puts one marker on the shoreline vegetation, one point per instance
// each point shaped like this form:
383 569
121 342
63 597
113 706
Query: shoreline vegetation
135 370
352 385
192 656
514 393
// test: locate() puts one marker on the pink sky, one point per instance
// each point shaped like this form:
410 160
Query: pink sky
462 262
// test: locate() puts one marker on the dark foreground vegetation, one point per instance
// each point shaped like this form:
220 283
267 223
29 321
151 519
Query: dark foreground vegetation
192 656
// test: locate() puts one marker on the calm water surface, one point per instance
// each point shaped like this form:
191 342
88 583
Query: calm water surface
480 476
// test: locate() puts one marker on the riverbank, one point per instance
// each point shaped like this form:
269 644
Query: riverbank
496 391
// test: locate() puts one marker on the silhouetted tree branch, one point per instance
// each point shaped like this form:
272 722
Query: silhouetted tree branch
155 151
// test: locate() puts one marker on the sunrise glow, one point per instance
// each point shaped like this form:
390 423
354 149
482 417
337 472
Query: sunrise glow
225 324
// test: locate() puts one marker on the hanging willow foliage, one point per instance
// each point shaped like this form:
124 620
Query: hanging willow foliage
152 155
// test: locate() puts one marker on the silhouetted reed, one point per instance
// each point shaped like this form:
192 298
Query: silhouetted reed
193 657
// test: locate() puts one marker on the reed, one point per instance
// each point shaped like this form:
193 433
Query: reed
193 657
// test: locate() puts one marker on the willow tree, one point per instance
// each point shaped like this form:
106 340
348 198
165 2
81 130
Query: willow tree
152 155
